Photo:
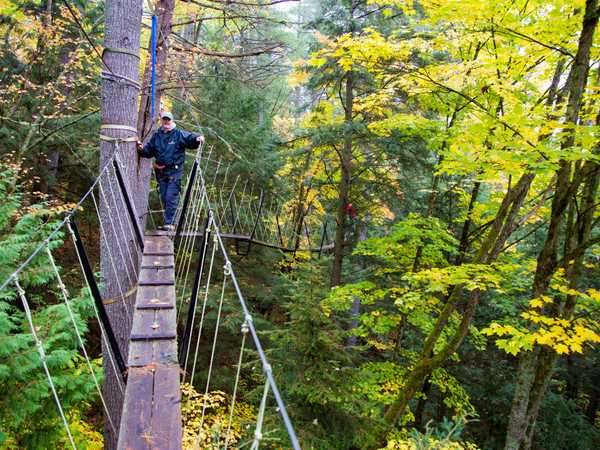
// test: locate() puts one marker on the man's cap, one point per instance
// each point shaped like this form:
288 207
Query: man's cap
166 115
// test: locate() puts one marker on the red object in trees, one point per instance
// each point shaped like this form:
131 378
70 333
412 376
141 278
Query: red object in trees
349 208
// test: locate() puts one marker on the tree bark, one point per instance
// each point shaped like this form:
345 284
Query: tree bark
344 185
535 367
352 340
164 16
464 235
119 107
145 121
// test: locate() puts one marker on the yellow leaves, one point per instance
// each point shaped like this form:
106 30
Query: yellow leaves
549 325
540 301
587 334
381 346
562 335
405 123
594 295
317 61
210 432
325 113
498 330
368 50
298 78
376 104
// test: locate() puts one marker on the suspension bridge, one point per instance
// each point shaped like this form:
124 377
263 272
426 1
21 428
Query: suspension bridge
186 298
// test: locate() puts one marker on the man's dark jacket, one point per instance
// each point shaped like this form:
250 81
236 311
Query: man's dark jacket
168 147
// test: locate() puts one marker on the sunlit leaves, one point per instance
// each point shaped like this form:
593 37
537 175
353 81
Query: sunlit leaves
399 247
206 421
367 51
562 334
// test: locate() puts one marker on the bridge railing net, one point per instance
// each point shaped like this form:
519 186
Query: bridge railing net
216 319
249 214
214 308
58 307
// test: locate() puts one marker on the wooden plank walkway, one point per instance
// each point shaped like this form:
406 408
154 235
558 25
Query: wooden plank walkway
151 418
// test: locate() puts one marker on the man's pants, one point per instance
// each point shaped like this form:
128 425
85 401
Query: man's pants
169 184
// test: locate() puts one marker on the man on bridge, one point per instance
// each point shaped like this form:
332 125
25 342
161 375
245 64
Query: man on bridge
167 145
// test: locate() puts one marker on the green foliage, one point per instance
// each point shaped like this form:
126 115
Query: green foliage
312 367
28 413
451 108
446 436
398 248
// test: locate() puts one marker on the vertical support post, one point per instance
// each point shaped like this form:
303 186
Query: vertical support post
297 233
229 205
279 229
129 205
307 233
95 292
194 297
186 198
323 238
260 207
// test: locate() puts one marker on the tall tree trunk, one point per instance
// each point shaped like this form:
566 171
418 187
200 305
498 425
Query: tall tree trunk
344 185
164 16
420 409
145 121
466 229
503 225
535 367
352 340
119 107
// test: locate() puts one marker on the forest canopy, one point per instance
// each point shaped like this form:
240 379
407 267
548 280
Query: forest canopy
436 164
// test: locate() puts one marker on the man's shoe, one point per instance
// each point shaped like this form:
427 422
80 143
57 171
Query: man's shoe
167 228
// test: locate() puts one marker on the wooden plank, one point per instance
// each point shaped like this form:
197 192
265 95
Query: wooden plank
163 326
136 428
158 245
155 297
159 233
142 320
157 261
144 323
166 409
167 321
165 352
151 418
156 277
153 336
141 353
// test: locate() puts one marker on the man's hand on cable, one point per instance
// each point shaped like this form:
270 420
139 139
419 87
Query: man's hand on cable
139 145
200 139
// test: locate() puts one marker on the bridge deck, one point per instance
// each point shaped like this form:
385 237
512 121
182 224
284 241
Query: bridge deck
151 418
